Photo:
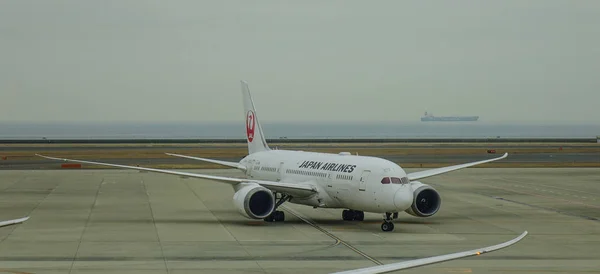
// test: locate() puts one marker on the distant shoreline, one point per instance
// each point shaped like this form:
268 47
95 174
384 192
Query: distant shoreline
207 133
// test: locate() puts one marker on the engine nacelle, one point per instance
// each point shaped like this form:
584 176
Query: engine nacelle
426 201
254 201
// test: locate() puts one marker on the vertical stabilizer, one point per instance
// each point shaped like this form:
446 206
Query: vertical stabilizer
254 134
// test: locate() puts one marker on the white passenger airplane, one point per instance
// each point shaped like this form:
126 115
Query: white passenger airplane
321 180
13 222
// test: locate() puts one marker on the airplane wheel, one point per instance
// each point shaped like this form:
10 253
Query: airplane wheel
359 215
279 216
270 218
387 226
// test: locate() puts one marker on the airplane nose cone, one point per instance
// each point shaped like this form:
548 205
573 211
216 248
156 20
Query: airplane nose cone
403 199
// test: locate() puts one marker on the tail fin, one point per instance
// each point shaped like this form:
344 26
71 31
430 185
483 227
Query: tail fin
254 133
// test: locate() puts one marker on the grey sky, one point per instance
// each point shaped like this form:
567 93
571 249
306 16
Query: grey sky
350 61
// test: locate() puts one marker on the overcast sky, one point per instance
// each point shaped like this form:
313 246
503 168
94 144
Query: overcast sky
347 61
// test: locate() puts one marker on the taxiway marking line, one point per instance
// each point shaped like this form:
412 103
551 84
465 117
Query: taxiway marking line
564 201
337 239
534 185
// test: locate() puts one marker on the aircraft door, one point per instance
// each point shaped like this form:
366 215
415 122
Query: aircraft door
362 184
252 165
249 168
280 172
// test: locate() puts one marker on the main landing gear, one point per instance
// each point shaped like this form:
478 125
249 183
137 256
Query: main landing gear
276 215
387 221
353 215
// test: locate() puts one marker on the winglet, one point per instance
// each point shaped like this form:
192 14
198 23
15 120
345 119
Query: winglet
432 260
13 222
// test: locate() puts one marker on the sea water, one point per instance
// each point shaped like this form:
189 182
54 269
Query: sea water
293 130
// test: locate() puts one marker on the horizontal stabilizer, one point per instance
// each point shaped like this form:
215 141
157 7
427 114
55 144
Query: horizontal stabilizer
219 162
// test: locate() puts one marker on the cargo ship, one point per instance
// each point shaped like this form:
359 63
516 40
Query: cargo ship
428 117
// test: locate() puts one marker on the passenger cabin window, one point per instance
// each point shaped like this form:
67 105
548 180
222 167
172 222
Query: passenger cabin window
396 180
385 180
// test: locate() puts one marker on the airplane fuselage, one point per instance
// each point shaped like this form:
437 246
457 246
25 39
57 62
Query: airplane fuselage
343 180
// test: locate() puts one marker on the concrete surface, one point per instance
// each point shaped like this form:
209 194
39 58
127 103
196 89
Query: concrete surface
116 221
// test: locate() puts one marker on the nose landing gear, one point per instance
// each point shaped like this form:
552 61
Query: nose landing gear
387 226
387 221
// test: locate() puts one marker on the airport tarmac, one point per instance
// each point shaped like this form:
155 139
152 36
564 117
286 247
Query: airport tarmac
122 221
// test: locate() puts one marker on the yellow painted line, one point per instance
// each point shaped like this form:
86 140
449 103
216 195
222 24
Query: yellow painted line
338 240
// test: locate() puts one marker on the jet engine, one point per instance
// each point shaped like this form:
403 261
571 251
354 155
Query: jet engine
426 201
254 201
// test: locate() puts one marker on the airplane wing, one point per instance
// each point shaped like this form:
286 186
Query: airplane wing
431 260
219 162
13 222
296 190
436 171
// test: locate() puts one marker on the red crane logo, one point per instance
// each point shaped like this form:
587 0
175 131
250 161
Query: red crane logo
250 125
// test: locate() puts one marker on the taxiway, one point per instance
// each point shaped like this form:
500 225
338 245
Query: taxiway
117 221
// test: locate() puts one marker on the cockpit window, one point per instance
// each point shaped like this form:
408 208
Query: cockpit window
400 181
385 180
